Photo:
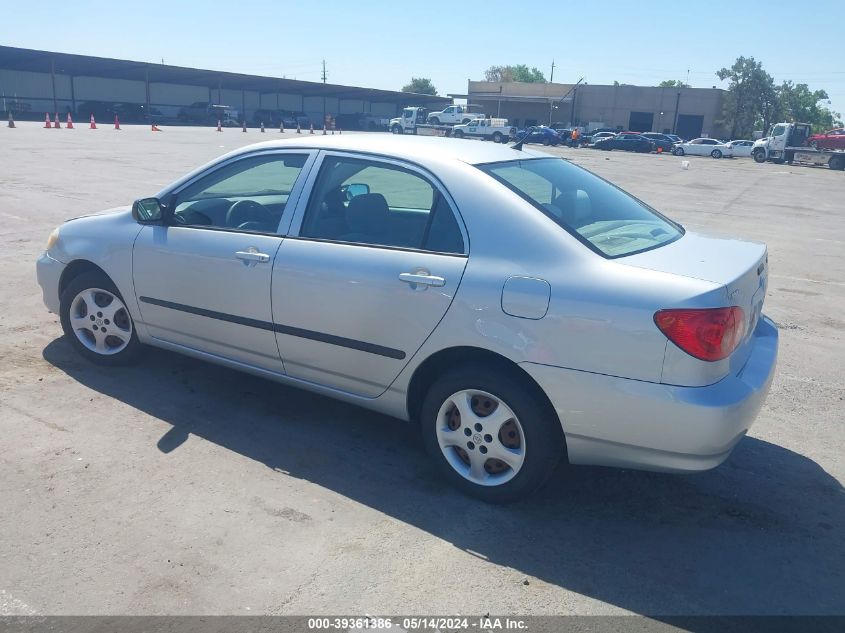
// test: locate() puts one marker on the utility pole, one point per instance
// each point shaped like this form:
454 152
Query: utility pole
552 75
324 71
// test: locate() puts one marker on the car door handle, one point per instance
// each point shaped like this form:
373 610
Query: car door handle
425 280
252 256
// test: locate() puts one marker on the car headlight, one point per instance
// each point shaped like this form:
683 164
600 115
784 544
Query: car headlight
54 237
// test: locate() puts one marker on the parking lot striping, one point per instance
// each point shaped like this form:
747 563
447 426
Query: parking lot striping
812 281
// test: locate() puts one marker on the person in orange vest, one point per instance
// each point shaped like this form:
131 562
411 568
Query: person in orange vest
576 134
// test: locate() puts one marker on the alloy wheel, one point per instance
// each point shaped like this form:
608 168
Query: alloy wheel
480 437
100 321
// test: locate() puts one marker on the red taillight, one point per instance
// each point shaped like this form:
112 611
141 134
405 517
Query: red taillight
709 334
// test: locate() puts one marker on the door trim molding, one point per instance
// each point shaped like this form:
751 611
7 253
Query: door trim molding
321 337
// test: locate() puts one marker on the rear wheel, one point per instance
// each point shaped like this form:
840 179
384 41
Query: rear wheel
490 434
97 322
435 120
497 137
836 162
459 134
546 141
716 153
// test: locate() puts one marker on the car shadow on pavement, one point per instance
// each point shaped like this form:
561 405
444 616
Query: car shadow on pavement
761 534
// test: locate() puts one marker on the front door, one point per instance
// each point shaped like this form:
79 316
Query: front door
367 274
203 281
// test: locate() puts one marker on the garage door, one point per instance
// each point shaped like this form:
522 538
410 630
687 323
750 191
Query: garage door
689 125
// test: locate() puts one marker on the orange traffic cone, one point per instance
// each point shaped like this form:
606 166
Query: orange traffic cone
47 120
244 128
312 129
57 124
262 127
298 129
11 119
93 125
219 125
69 121
282 127
116 123
154 128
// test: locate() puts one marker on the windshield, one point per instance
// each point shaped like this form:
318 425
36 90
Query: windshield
602 216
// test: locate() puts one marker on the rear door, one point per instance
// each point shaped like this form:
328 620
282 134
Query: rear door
369 269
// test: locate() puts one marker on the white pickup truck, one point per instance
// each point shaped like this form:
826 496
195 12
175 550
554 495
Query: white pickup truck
497 130
455 114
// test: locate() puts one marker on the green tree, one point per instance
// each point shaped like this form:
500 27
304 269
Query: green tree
798 103
420 86
749 96
672 83
519 72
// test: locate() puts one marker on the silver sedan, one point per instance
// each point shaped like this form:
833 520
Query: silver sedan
516 307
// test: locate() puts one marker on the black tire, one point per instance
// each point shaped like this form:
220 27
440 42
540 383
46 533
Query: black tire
458 134
716 153
396 129
96 280
678 151
435 120
497 137
546 141
759 155
465 121
544 440
836 162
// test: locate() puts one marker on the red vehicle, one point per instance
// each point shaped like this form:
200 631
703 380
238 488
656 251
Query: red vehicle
832 139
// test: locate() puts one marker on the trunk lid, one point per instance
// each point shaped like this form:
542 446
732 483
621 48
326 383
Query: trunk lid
740 267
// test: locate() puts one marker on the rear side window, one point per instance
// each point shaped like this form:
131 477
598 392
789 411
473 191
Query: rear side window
602 216
361 201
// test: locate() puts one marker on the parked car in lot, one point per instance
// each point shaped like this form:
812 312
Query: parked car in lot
600 136
832 139
740 148
661 141
703 147
626 141
515 306
539 134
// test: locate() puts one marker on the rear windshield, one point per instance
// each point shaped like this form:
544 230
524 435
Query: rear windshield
602 216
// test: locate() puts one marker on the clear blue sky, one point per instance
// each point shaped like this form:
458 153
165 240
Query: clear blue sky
381 43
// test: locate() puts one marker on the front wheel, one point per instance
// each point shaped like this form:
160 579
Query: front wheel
678 151
97 322
497 137
759 156
396 129
434 121
546 141
490 435
716 153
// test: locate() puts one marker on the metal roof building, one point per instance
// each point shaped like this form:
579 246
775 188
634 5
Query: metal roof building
33 82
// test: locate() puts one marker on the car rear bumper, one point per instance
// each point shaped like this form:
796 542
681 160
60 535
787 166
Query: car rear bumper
49 272
612 421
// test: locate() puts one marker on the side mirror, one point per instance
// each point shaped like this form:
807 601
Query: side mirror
148 211
355 189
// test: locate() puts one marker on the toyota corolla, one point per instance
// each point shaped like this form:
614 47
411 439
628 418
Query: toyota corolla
516 307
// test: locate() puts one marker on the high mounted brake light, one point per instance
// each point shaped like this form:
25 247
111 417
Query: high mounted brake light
709 334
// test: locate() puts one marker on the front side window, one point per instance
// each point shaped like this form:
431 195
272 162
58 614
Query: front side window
778 130
369 202
602 216
246 195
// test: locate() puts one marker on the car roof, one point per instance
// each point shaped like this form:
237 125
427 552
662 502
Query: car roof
412 148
